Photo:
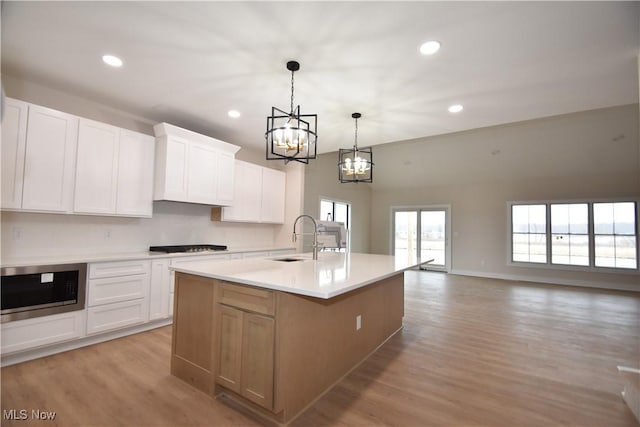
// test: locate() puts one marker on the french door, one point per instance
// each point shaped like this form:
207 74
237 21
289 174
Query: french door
423 232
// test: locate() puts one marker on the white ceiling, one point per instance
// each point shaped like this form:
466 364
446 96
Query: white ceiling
189 63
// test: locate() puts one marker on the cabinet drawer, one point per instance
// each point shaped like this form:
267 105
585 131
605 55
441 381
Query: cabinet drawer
118 315
115 289
30 333
113 269
247 298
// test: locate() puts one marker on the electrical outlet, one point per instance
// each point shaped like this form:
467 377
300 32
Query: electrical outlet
358 322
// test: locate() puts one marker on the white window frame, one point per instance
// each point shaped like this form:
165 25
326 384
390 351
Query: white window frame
549 265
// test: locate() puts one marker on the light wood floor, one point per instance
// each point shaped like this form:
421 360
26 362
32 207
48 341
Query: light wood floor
474 352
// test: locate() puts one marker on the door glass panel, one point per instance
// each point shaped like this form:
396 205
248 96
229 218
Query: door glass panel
432 237
405 235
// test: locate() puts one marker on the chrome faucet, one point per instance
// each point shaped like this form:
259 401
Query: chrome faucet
315 234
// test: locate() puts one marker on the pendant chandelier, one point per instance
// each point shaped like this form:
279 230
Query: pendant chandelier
356 164
291 135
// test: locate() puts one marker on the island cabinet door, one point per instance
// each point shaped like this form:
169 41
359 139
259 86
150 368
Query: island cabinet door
230 322
258 359
245 362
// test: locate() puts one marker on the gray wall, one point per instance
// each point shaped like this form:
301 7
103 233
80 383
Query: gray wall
321 181
588 155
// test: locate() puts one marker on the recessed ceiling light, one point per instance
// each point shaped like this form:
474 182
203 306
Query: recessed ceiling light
112 60
430 47
455 108
234 113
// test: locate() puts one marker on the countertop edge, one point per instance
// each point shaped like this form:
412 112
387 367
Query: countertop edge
123 256
284 288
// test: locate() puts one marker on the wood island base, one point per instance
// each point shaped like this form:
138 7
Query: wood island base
275 352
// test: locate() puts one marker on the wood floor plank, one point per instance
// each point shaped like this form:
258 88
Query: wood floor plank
473 352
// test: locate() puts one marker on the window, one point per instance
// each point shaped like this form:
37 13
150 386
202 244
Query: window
586 234
615 235
333 210
570 234
529 228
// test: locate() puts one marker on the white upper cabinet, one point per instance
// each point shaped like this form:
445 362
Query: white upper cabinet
50 156
14 141
226 172
259 195
97 168
247 188
56 162
193 168
135 174
114 173
273 196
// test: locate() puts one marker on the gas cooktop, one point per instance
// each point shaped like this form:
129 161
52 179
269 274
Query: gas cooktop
187 248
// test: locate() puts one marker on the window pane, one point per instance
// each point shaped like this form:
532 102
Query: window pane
626 256
538 247
603 218
579 218
326 210
529 247
560 219
520 218
579 249
341 213
529 241
624 218
569 238
560 253
537 219
520 245
615 240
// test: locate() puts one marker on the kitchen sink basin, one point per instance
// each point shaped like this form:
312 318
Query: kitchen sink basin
288 259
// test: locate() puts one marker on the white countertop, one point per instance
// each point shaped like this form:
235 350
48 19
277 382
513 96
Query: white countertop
332 274
122 256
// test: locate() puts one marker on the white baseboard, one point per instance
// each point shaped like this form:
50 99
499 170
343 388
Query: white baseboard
26 355
549 280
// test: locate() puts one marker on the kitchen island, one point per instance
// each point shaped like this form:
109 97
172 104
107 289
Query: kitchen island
274 334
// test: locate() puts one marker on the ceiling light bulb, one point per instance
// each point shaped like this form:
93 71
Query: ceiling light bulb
455 108
234 114
430 47
111 60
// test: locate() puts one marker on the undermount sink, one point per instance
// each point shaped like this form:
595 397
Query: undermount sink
288 259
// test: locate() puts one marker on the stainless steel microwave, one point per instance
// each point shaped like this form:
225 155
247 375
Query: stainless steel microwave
43 290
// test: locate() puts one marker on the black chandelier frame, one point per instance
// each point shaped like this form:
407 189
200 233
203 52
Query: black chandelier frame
352 153
281 121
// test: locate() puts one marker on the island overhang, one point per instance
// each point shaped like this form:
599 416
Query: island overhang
333 274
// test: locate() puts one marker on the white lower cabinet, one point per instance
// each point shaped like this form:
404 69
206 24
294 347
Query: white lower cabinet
118 295
122 297
31 333
107 317
160 291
